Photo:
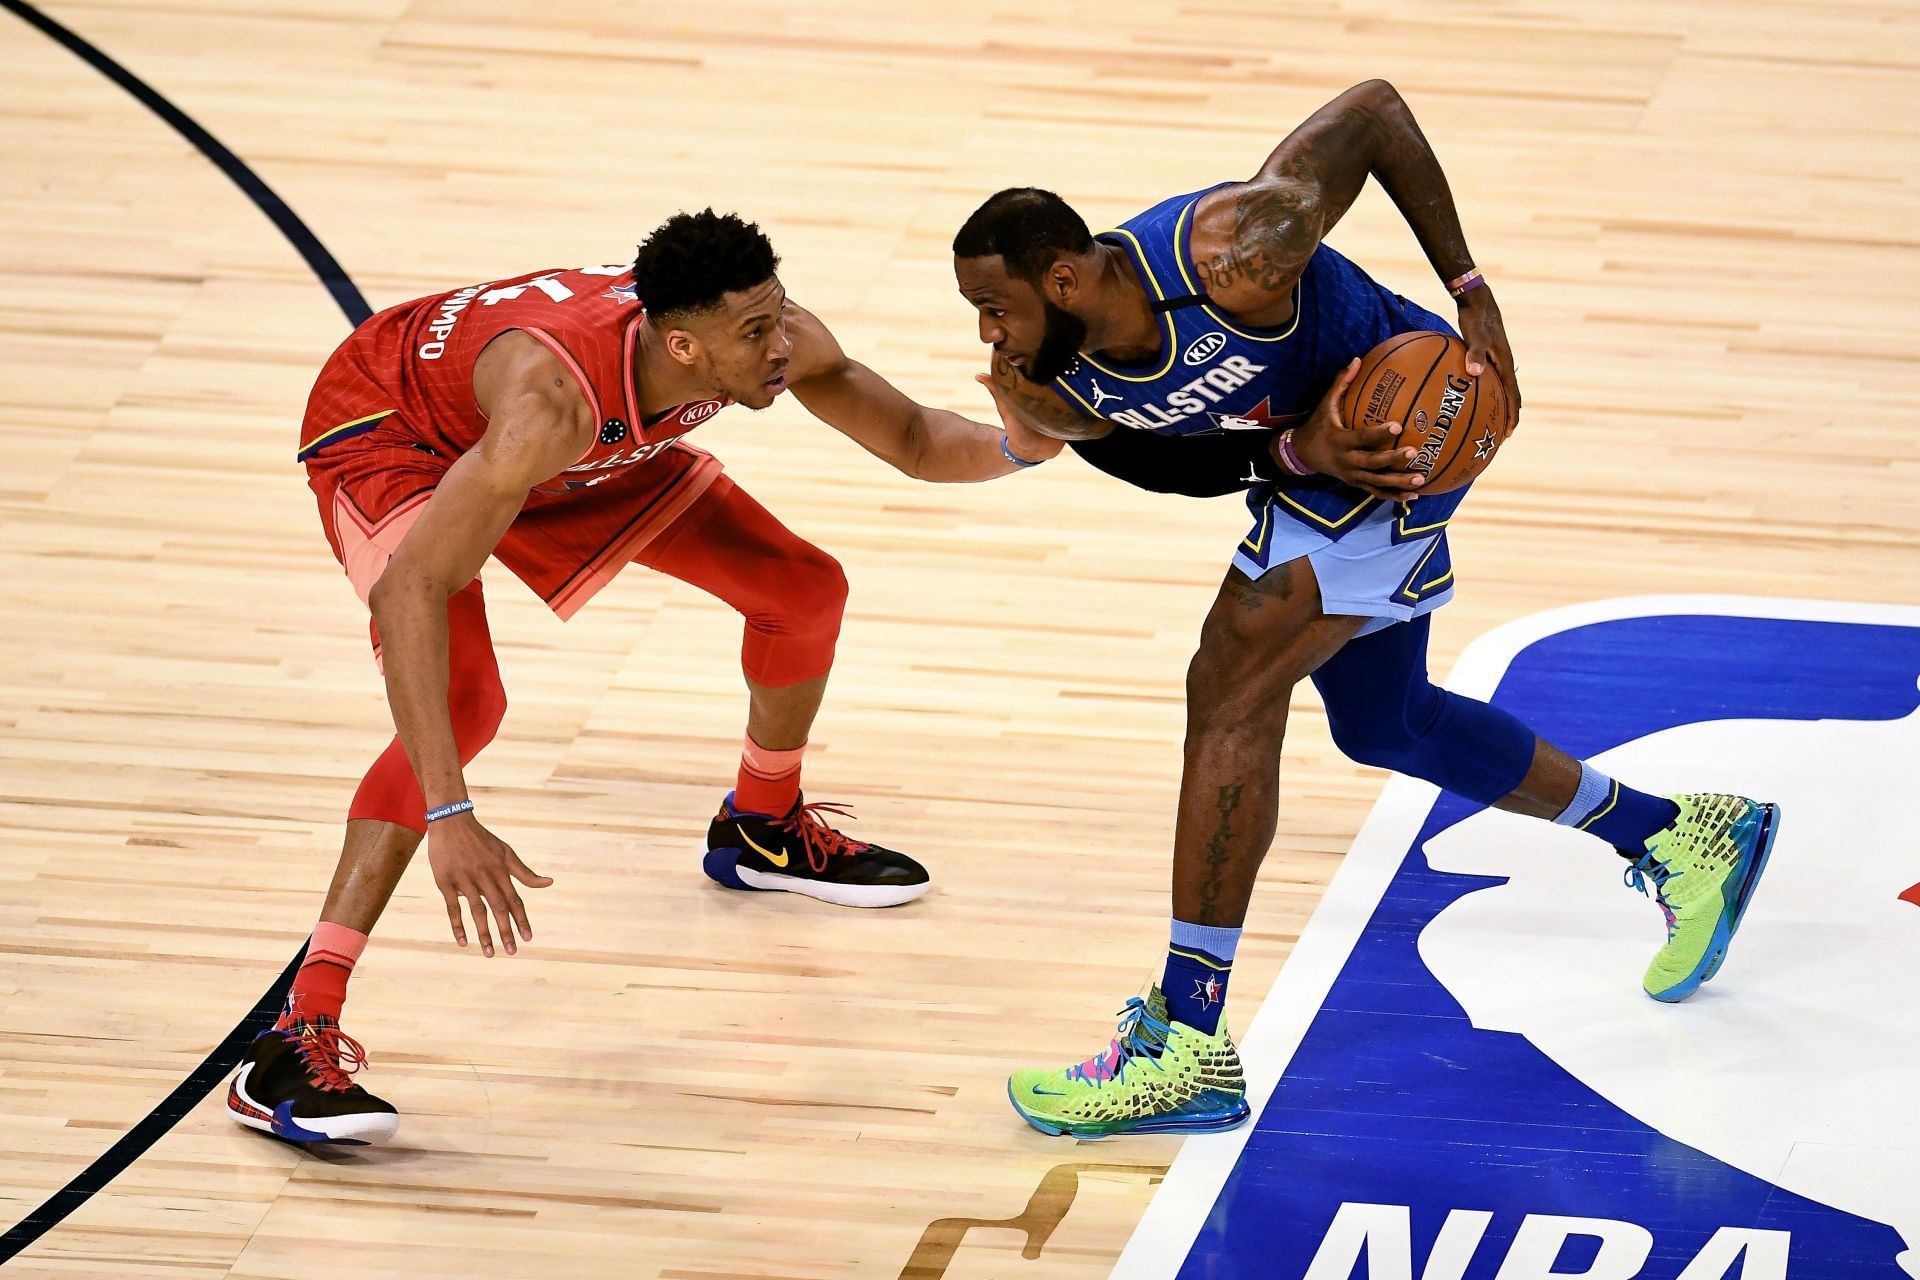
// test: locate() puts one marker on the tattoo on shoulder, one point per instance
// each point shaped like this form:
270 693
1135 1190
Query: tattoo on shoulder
1042 410
1275 228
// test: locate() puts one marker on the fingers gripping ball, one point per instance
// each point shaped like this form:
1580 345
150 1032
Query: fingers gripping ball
1453 421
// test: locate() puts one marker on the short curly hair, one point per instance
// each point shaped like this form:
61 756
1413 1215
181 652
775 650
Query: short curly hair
692 259
1029 228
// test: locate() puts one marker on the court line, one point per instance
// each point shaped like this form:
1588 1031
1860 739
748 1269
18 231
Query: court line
345 293
225 1056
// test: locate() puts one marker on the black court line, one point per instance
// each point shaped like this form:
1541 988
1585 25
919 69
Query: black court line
226 1056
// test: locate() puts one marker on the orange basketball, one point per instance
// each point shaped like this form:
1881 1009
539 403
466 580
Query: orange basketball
1420 381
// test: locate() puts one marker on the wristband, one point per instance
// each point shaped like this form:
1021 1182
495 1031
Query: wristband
1006 451
1468 282
448 810
1288 455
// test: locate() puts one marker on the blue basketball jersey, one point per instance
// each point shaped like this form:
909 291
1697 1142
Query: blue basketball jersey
1214 373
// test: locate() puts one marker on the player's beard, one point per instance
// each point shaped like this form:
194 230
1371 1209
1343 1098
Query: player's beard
1059 345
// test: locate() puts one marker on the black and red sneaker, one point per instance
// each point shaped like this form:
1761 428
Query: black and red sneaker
293 1083
800 853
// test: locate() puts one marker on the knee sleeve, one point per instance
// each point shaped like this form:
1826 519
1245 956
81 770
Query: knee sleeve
794 625
1469 748
791 593
1379 736
1384 712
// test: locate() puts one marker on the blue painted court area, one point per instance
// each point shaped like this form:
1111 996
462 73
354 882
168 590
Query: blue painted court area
1482 1093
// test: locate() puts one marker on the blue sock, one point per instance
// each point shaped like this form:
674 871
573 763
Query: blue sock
1623 817
1199 965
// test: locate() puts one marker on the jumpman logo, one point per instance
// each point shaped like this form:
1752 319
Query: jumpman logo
1099 396
1253 475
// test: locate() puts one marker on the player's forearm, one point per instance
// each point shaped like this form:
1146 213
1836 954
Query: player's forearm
1407 169
951 449
411 615
1191 466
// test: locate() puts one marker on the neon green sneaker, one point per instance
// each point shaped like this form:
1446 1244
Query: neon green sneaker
1704 868
1156 1077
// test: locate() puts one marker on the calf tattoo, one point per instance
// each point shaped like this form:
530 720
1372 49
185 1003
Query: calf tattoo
1219 850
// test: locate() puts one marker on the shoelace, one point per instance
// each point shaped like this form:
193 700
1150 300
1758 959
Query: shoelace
820 840
1134 1039
1636 878
329 1054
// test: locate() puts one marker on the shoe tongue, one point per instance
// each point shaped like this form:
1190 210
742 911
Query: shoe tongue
1157 1010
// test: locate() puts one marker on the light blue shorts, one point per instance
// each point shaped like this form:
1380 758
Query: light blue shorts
1385 564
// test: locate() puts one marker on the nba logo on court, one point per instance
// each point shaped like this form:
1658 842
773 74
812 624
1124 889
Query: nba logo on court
1465 1084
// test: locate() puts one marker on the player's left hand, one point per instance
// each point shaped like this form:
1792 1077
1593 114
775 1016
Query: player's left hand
1487 347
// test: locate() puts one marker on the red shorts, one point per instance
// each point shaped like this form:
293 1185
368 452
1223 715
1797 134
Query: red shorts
565 548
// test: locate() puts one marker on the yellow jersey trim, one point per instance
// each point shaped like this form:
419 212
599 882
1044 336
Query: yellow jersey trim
325 437
1405 530
1169 337
1365 505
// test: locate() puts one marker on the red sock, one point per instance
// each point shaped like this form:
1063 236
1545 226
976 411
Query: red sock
769 781
320 985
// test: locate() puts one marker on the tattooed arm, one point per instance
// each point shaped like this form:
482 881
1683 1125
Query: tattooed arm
1251 241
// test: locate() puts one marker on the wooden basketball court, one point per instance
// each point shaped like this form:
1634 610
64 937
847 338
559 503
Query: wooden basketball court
1699 219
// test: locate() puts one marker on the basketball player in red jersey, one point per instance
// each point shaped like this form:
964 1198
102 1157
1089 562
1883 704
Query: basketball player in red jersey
541 420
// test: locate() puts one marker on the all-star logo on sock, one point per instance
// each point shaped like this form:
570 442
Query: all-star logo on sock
1208 992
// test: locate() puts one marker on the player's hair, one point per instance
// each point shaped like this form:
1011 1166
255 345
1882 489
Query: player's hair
1029 228
692 259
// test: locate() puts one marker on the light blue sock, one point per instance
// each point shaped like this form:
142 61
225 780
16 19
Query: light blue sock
1623 817
1594 789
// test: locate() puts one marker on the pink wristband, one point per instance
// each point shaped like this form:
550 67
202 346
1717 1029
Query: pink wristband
1466 283
1288 455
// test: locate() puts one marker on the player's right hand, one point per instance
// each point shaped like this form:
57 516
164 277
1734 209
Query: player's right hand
1365 457
1025 442
471 862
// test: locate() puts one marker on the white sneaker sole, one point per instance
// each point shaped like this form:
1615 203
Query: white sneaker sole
371 1128
840 895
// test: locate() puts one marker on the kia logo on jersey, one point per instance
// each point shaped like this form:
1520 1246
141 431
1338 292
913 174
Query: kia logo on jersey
695 414
1205 347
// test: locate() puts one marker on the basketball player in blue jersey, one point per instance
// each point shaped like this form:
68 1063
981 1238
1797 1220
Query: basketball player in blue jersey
1201 348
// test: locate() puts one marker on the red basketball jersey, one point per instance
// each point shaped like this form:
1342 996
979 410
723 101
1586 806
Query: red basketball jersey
405 376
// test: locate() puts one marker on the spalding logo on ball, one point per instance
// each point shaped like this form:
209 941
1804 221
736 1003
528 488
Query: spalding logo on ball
1455 423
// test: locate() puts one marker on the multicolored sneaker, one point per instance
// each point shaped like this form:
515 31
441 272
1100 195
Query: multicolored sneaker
1156 1077
800 853
293 1084
1703 870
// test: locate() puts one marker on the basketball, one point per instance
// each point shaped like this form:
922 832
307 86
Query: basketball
1420 380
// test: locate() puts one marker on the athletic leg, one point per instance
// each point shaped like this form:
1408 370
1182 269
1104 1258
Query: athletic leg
1384 710
1698 856
294 1081
1260 639
792 596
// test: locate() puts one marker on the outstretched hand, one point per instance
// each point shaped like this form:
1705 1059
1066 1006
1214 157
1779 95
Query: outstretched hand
1369 457
471 862
1027 444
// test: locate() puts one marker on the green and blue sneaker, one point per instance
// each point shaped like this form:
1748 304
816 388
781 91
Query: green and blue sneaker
1156 1076
1702 870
